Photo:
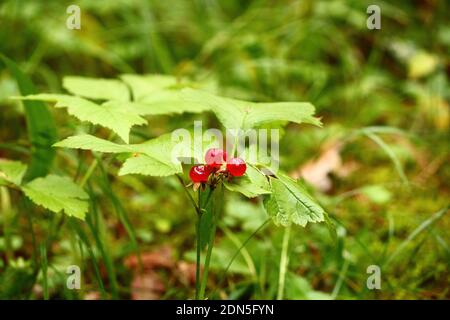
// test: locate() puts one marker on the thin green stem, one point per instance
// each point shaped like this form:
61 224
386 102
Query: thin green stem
207 260
44 267
284 260
341 278
88 173
244 252
180 179
93 165
5 206
198 248
216 208
222 277
201 280
34 253
197 264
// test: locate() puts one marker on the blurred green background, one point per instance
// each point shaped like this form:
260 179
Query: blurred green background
379 165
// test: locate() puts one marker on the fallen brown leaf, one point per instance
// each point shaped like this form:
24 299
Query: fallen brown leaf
147 286
163 258
316 171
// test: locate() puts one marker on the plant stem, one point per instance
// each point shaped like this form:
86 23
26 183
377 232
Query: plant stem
244 252
283 263
89 173
93 165
222 277
216 199
44 265
35 252
207 260
180 179
5 206
197 265
197 231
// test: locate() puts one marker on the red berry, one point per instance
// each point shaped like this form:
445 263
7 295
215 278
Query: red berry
199 173
215 157
236 167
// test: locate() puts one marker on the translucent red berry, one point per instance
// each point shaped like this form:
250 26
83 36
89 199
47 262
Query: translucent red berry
199 173
215 157
236 167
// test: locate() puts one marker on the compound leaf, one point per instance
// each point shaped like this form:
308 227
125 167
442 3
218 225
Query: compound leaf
110 116
146 85
56 194
239 114
89 142
149 166
94 88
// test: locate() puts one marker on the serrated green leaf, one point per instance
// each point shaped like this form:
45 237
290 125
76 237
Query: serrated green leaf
290 203
146 85
160 103
252 184
154 157
110 116
94 88
12 171
239 114
89 142
149 166
56 194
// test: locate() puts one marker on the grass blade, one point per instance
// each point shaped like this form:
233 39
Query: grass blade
41 127
422 227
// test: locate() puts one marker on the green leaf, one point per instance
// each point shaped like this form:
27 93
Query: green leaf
252 184
153 157
149 166
110 116
57 193
12 171
40 125
146 85
160 103
239 114
157 158
93 88
89 142
290 203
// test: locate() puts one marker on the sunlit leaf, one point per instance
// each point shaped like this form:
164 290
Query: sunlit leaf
56 194
95 88
239 114
12 171
110 116
146 85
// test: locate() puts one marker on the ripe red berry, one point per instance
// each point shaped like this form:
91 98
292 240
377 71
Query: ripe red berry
199 173
236 167
215 157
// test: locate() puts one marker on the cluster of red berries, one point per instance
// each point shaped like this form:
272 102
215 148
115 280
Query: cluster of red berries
217 162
